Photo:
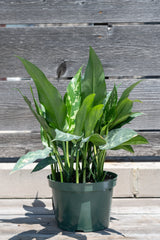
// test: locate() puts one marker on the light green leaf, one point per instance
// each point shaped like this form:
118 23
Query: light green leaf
117 137
94 79
44 163
92 118
48 95
96 139
30 157
73 100
127 91
62 136
82 114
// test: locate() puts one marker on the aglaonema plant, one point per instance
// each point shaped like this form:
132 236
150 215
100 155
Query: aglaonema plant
77 130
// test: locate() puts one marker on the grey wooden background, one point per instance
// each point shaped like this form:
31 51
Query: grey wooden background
126 36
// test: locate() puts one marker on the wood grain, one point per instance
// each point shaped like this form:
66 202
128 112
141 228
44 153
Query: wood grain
15 114
29 219
124 50
80 11
13 145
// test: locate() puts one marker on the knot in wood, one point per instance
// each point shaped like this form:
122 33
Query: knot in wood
61 69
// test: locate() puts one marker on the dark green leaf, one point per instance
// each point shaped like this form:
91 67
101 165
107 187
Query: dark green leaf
82 114
127 91
73 100
94 79
44 163
124 147
110 106
124 108
123 111
126 119
38 109
30 157
48 95
39 118
136 140
96 139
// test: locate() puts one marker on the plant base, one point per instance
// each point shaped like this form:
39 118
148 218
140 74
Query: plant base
84 206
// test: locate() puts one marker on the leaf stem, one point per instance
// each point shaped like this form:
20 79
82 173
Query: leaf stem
95 153
67 153
60 167
53 172
85 164
77 167
59 161
64 152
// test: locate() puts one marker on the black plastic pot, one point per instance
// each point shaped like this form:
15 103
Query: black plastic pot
83 206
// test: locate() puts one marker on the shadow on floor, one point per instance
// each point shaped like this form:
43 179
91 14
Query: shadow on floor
44 226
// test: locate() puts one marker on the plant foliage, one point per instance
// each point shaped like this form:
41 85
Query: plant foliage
78 130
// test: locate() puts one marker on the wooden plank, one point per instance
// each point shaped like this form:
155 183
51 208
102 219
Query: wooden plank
15 115
70 11
14 145
44 206
130 219
124 50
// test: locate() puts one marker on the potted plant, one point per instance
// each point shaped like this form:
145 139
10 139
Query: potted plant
76 132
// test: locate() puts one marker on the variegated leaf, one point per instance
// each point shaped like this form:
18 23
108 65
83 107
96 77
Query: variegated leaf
73 100
30 157
62 136
117 137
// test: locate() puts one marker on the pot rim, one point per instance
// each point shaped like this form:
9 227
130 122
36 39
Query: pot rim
84 187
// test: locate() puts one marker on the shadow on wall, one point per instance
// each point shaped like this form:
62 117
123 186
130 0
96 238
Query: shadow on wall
43 225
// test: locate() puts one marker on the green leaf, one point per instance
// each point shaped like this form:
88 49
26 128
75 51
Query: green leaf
30 157
124 147
124 108
110 106
127 91
117 137
62 136
39 118
96 139
73 100
136 140
48 95
44 163
82 114
126 119
44 137
38 109
92 118
94 79
123 111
